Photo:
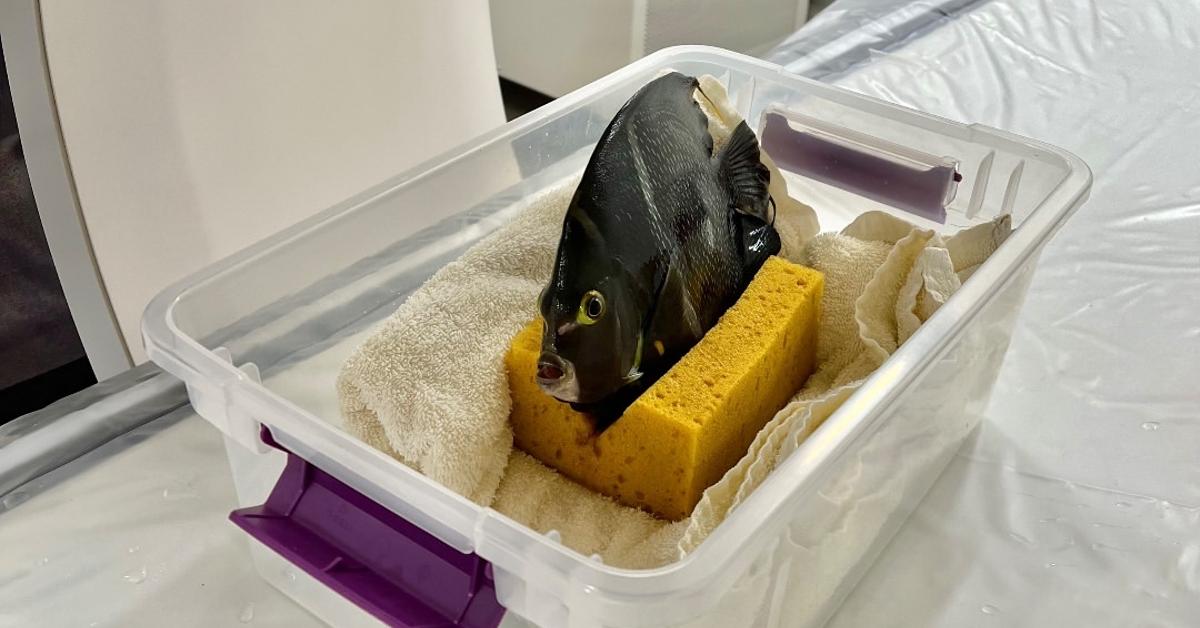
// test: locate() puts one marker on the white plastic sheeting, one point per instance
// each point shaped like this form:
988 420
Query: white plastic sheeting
135 534
845 33
1079 503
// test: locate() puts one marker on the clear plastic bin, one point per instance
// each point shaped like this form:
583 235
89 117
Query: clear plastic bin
786 556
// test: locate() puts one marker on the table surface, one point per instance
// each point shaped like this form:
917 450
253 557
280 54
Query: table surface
135 534
1077 504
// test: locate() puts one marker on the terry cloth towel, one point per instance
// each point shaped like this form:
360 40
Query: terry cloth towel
429 386
883 278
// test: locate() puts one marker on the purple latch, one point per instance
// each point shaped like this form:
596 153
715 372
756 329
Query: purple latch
898 176
392 569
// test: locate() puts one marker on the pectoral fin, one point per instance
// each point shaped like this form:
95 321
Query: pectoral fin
759 240
742 170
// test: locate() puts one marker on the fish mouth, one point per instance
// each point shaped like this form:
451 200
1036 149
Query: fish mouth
556 377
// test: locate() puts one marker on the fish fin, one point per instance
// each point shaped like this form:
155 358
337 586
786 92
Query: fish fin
742 168
635 373
760 240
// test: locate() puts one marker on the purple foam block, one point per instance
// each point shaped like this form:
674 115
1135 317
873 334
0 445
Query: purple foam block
921 187
389 567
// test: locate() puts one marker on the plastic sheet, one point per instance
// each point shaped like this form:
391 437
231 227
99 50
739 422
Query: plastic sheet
42 441
135 534
845 33
1079 504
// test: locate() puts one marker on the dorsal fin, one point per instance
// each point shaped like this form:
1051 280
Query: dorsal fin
742 169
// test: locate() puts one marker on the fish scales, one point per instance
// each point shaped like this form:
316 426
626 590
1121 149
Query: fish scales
661 236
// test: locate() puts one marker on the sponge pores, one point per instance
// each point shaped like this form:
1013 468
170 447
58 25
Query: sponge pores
698 419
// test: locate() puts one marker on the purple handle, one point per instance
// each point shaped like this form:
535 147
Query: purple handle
901 181
394 570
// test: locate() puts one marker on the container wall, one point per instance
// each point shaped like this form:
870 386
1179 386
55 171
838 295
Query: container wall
365 255
307 591
833 539
998 176
802 574
353 264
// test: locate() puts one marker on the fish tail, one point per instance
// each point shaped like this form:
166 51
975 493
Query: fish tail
743 171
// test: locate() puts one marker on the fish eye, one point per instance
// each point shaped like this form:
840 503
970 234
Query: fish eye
591 307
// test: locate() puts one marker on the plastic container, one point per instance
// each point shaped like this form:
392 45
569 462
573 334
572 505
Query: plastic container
786 556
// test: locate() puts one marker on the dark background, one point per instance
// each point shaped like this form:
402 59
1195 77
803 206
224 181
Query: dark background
41 358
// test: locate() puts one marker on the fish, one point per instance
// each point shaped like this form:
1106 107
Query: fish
660 237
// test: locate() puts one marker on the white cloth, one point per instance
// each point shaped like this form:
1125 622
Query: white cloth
883 278
429 386
1079 502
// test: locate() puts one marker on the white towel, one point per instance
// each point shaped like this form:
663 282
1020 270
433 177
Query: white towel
587 522
883 278
429 386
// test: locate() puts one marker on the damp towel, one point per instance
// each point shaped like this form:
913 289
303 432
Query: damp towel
429 388
883 278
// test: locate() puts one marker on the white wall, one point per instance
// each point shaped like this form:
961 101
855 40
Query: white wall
555 46
196 128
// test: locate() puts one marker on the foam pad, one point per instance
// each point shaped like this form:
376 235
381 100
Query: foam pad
695 422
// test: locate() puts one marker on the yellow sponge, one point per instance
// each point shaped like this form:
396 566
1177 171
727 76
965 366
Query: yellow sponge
695 422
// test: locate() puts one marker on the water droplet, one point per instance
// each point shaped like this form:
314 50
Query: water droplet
134 549
988 609
43 561
1124 505
291 575
1101 524
1020 539
554 535
1102 546
1150 426
1050 520
1050 565
247 614
137 576
180 490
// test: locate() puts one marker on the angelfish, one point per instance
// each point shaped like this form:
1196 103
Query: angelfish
660 238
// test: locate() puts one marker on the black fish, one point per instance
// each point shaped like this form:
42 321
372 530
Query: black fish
659 240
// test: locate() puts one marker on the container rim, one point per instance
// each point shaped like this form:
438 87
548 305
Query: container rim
791 482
